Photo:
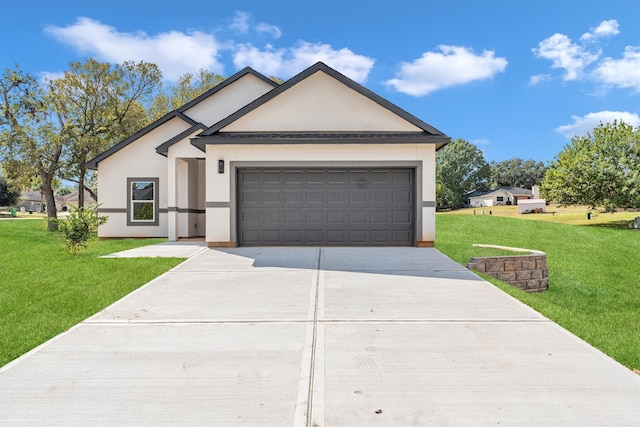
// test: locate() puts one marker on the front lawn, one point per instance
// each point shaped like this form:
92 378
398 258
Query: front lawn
594 274
44 290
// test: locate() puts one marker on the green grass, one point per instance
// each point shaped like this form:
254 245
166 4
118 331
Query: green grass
44 290
594 274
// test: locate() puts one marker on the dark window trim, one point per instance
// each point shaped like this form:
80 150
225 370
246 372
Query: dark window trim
156 214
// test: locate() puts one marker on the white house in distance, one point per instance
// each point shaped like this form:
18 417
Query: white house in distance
317 160
500 196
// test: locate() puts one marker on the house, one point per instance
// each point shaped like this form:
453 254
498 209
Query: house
71 200
500 196
34 201
317 160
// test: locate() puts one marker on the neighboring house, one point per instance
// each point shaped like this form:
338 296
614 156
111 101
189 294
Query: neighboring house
71 200
500 196
33 201
317 160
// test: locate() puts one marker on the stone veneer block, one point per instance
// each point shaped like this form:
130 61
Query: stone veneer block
527 272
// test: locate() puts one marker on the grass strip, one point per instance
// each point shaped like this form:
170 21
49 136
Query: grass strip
44 290
594 275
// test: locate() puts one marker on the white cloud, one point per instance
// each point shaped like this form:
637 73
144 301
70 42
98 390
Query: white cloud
581 60
605 29
174 52
623 72
240 22
286 62
452 66
268 29
585 124
539 78
243 23
565 54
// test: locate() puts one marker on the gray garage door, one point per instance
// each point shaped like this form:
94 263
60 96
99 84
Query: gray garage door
358 207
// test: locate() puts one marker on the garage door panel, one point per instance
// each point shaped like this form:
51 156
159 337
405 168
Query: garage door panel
336 217
402 197
294 237
272 178
314 217
403 177
336 237
292 197
358 197
337 197
272 216
315 197
380 217
272 198
294 216
358 237
326 207
250 197
315 237
250 216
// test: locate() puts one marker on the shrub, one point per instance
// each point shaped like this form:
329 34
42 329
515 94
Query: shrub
78 227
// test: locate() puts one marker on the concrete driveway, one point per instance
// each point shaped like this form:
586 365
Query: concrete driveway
309 336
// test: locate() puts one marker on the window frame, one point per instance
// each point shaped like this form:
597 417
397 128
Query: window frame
154 201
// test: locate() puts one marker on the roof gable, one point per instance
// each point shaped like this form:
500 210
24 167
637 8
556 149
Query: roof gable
93 163
180 113
514 191
321 100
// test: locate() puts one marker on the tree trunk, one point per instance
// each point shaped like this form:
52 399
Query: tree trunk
92 193
81 187
50 200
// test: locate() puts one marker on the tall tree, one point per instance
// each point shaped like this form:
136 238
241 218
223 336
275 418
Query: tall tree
99 104
600 170
517 172
31 137
188 87
460 168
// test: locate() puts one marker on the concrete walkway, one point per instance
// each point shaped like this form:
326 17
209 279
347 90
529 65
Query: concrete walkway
308 336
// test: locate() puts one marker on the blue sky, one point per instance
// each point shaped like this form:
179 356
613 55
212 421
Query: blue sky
517 78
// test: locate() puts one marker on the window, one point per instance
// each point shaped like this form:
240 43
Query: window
500 199
143 201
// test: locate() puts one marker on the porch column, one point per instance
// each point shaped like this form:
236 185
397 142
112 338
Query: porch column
172 199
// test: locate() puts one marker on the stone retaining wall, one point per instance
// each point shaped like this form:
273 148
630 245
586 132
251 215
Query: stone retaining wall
527 272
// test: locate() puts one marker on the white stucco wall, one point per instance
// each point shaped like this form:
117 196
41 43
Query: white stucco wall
137 160
219 194
320 103
228 100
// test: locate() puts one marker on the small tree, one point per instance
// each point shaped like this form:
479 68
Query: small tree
460 168
79 226
599 170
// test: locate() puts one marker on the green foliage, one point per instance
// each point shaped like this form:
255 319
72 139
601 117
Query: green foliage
460 168
30 134
593 274
517 172
600 170
44 291
78 227
8 196
99 104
